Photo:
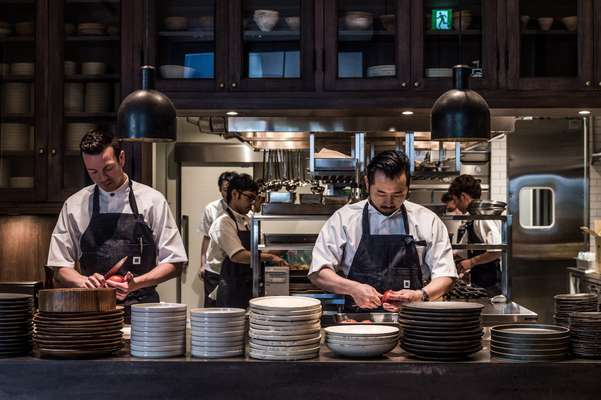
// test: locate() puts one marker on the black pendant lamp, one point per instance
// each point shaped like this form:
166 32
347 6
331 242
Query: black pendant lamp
460 114
147 115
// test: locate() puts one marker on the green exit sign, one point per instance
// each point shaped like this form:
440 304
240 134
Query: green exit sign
442 19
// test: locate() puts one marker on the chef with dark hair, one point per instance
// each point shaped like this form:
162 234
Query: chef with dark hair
112 219
384 243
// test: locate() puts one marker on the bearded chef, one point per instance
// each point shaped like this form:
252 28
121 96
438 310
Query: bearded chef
384 243
109 220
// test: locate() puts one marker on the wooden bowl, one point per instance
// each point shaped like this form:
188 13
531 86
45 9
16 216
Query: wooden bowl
77 300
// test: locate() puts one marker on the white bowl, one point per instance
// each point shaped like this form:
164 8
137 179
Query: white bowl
266 20
176 23
176 71
293 23
24 28
353 350
93 68
545 23
358 20
388 22
571 23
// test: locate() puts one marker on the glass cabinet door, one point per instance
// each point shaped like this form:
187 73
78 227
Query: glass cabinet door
271 45
21 171
550 44
367 44
189 51
89 73
451 32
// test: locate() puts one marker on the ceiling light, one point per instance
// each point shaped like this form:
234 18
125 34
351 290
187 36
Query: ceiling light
231 113
584 112
407 112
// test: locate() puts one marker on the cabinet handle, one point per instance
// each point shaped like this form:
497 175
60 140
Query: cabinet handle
404 84
234 84
416 84
53 152
221 85
41 151
588 83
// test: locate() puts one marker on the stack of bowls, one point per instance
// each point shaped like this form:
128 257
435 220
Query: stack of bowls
158 330
218 332
22 69
284 328
585 334
73 97
91 28
16 98
14 137
358 20
74 132
93 68
78 323
362 340
441 330
569 303
530 342
98 97
15 324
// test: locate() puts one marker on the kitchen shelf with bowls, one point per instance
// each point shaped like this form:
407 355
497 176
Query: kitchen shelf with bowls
93 38
188 36
273 36
469 32
93 78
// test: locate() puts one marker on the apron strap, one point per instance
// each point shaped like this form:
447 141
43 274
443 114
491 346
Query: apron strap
229 212
132 200
96 202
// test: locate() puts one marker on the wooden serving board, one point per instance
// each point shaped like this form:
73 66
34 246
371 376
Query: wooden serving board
77 300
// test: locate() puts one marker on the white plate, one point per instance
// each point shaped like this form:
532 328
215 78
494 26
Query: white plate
361 330
362 340
225 354
173 334
373 350
156 318
284 333
263 356
156 354
288 303
255 321
222 325
177 347
288 351
217 340
158 328
203 343
204 333
291 327
292 313
151 343
281 349
286 318
281 338
159 307
287 343
217 312
201 348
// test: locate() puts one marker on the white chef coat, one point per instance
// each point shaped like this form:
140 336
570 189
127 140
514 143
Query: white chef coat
224 238
453 225
489 232
212 211
76 214
339 238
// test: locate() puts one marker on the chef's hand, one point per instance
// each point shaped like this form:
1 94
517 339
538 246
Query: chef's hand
123 288
94 281
277 260
464 266
365 296
396 299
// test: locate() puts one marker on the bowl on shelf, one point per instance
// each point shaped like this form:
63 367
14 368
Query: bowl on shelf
358 20
293 23
545 23
202 23
91 28
21 182
266 20
93 68
524 19
388 22
462 20
176 23
24 28
571 23
22 68
176 71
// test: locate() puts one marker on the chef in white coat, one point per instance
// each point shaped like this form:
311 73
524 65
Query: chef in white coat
384 243
209 271
113 218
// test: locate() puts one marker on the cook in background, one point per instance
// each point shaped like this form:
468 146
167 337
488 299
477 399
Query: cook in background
113 218
483 266
209 272
230 244
384 243
451 209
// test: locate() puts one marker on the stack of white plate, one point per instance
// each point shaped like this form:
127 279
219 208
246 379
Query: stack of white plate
22 69
439 72
218 332
98 97
74 132
93 68
362 340
381 70
14 137
16 97
284 328
73 97
158 330
91 28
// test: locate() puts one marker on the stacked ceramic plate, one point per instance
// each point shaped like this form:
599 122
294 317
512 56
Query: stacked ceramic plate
98 97
74 132
362 340
14 137
218 332
530 342
569 303
22 69
73 97
158 330
284 328
16 97
78 334
15 324
381 70
585 333
91 28
441 330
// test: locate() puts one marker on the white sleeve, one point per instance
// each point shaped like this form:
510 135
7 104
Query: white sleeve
439 254
224 234
64 243
490 232
206 219
170 246
329 247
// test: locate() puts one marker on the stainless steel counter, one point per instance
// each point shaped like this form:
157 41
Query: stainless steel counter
505 313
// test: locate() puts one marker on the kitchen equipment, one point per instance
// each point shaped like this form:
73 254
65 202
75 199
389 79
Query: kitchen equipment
377 71
565 304
116 268
76 300
266 20
154 324
218 332
15 324
486 207
281 197
311 198
585 334
23 287
382 318
530 342
277 281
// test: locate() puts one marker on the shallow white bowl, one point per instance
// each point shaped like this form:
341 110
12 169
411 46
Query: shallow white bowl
353 350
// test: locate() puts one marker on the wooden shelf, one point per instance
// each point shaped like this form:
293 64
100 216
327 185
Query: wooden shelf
552 32
16 154
17 39
92 78
363 36
468 32
84 115
92 38
273 36
16 118
16 78
188 36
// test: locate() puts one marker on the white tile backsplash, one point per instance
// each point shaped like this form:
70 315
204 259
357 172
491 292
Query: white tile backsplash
498 169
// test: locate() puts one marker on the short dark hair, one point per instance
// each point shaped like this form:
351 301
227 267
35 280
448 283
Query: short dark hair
97 140
446 197
241 182
466 184
225 177
392 163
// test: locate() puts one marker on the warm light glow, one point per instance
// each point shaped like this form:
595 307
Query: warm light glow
584 112
231 113
407 112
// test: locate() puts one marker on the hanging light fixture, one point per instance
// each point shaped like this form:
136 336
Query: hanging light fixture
147 115
460 114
